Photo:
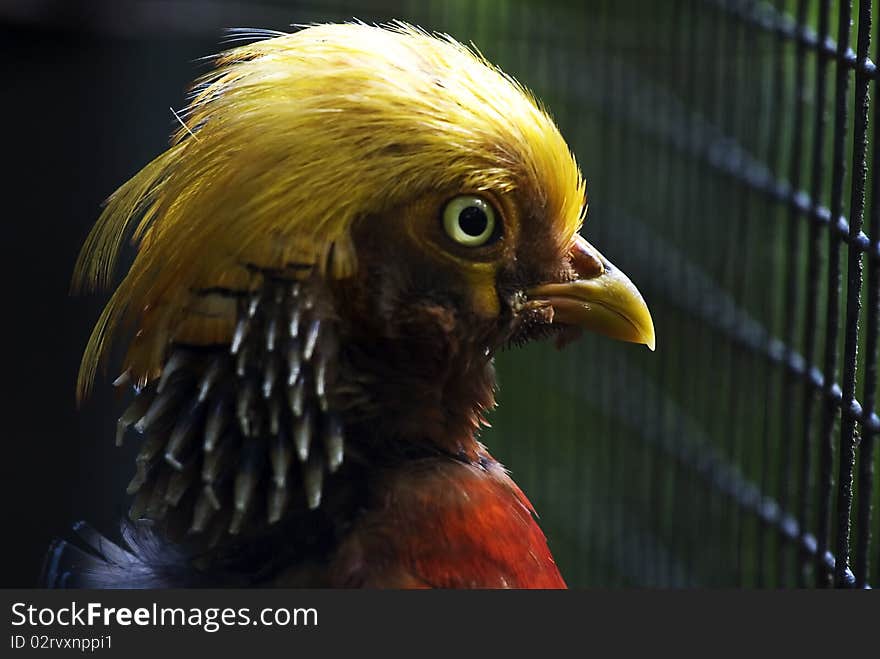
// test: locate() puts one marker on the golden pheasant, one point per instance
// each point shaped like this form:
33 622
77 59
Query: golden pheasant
348 225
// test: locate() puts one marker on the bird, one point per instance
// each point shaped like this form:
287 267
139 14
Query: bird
350 222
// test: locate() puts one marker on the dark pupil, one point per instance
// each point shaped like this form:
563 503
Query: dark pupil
473 220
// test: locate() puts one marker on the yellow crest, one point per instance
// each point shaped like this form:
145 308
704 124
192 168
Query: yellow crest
286 144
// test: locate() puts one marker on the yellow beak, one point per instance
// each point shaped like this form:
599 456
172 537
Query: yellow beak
602 299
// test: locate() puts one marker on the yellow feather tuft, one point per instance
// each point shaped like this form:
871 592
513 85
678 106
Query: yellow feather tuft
288 142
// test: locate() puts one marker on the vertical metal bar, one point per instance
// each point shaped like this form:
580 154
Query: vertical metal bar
814 261
861 566
853 302
832 320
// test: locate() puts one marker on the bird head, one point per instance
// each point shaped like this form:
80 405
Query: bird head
424 197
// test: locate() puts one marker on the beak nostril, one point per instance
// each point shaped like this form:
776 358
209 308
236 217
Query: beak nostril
585 260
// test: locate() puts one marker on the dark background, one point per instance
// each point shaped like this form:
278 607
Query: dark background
712 138
85 101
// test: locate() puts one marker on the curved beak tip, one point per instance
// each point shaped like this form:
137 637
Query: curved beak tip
651 341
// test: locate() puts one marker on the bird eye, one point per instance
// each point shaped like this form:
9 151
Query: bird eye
469 220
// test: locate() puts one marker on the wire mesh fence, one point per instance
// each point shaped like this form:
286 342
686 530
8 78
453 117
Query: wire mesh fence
728 147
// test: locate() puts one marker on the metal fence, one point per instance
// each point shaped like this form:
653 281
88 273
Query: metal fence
727 146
